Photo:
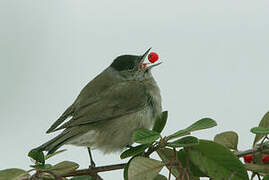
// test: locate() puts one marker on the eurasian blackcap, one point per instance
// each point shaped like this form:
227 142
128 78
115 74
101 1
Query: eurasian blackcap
123 98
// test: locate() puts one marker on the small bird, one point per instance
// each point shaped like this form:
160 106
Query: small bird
121 99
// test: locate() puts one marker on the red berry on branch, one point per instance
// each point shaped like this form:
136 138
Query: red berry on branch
248 158
265 159
153 57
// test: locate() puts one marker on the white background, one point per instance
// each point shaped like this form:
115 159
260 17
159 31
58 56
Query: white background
214 53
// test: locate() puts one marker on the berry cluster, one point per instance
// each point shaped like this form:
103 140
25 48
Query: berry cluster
249 158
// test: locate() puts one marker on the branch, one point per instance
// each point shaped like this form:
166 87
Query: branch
159 144
95 170
258 148
151 150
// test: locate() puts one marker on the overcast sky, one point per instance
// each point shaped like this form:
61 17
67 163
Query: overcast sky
215 64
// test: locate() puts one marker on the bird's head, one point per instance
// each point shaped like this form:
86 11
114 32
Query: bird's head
132 67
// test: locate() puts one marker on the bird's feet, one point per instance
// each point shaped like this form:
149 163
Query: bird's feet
92 165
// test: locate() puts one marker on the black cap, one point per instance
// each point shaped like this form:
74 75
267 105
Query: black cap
128 62
125 62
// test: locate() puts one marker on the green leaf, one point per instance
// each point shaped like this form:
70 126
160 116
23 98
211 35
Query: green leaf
83 178
228 139
184 142
160 122
266 177
37 156
260 130
160 177
13 174
167 154
186 163
204 123
126 168
41 166
134 151
143 168
53 154
145 136
264 123
217 161
64 167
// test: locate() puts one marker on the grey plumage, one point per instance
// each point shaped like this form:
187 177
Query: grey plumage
109 108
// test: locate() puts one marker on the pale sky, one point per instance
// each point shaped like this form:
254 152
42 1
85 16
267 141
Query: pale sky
215 64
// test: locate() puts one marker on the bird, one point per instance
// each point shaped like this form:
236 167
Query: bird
121 99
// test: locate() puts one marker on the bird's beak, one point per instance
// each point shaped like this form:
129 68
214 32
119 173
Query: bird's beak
153 65
142 59
141 62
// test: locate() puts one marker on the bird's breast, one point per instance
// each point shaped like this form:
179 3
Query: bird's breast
154 98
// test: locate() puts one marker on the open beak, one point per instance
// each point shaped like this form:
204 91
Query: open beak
143 57
141 62
151 66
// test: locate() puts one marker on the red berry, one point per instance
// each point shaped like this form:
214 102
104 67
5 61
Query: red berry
248 158
265 159
153 57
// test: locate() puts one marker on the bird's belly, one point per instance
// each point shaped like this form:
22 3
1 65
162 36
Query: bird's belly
113 135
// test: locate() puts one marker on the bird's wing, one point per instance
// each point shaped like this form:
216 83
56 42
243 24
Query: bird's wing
119 100
68 112
89 94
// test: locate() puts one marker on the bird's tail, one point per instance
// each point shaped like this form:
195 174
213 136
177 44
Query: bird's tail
52 145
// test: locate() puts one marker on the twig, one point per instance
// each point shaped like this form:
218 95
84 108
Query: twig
184 172
151 150
265 137
98 177
160 144
169 175
95 170
259 148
